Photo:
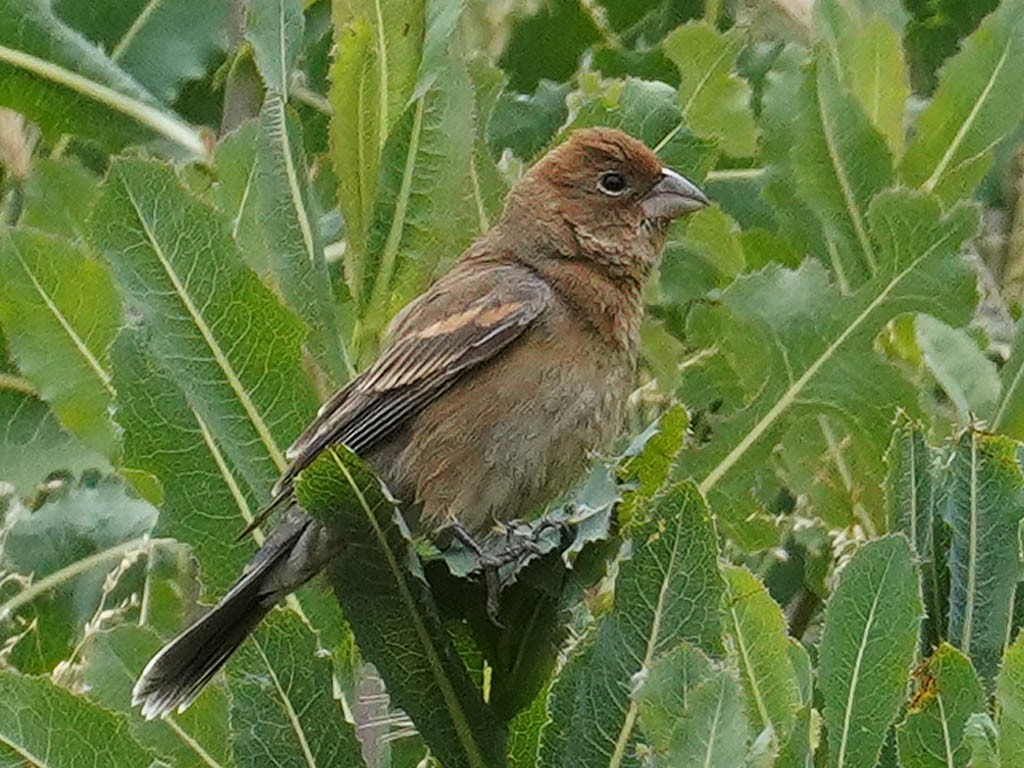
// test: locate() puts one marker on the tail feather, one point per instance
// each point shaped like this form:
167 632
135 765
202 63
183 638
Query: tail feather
178 672
176 675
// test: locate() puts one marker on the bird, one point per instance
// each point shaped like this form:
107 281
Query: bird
492 390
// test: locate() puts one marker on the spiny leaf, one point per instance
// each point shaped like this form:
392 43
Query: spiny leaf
170 453
667 592
425 213
233 350
67 85
867 649
755 633
289 222
984 512
164 46
43 724
805 352
948 693
714 100
282 708
372 78
274 30
379 582
840 163
1010 700
58 340
913 494
977 103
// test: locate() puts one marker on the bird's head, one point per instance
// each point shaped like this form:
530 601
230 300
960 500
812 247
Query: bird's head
611 192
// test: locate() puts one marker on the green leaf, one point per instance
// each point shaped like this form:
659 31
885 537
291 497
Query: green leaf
1010 701
198 736
166 440
282 709
984 511
289 221
57 197
372 77
65 549
755 633
525 124
934 33
648 110
58 340
1008 417
547 44
649 459
867 649
274 30
524 732
379 582
664 689
286 214
425 212
66 85
42 724
232 349
163 46
963 371
237 163
442 19
840 163
784 87
170 452
33 444
714 100
490 185
980 736
867 51
976 105
949 692
804 353
691 711
711 257
798 752
912 495
668 591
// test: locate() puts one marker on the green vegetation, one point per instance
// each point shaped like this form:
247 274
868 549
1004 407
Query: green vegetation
807 550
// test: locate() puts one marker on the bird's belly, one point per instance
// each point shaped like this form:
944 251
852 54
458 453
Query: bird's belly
482 459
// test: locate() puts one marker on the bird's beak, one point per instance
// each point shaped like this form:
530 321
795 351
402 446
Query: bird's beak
673 196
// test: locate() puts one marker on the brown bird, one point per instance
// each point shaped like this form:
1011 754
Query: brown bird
496 384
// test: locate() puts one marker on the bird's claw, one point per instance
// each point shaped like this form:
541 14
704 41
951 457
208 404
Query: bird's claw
489 566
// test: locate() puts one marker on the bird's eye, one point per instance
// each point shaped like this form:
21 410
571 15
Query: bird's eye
612 183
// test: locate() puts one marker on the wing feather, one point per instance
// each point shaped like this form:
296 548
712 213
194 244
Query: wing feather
429 356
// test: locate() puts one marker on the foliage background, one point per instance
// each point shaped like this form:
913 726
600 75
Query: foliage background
211 210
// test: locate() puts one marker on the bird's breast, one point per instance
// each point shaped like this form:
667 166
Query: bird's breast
515 433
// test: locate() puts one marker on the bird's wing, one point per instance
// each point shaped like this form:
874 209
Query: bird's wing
433 349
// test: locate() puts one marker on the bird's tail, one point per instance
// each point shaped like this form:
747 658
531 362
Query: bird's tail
296 549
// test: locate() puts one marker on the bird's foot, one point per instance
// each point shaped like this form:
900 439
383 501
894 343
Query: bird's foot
524 541
489 566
